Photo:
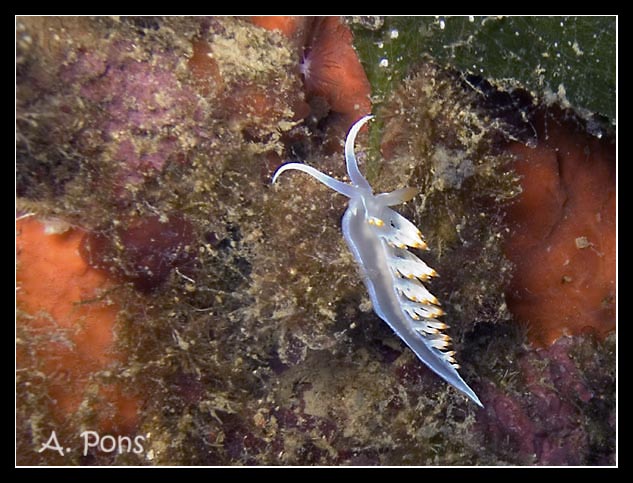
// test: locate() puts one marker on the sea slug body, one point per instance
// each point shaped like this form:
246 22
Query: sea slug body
378 238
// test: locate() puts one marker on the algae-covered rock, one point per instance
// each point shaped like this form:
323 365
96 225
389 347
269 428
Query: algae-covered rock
570 58
439 137
247 335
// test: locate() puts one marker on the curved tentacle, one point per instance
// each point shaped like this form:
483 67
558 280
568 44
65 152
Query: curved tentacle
352 165
397 196
336 185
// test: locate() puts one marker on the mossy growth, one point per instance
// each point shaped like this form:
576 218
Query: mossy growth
439 137
113 130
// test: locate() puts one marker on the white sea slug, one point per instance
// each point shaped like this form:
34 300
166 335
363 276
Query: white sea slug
378 238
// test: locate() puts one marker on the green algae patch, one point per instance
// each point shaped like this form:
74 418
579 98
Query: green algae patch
569 57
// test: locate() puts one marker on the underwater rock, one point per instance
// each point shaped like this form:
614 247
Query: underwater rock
543 55
144 252
440 138
139 106
263 348
457 142
564 413
562 239
105 107
116 125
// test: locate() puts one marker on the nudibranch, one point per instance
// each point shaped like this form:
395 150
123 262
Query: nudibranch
378 238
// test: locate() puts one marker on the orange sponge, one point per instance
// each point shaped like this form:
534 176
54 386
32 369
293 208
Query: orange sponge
333 71
61 297
563 234
287 25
